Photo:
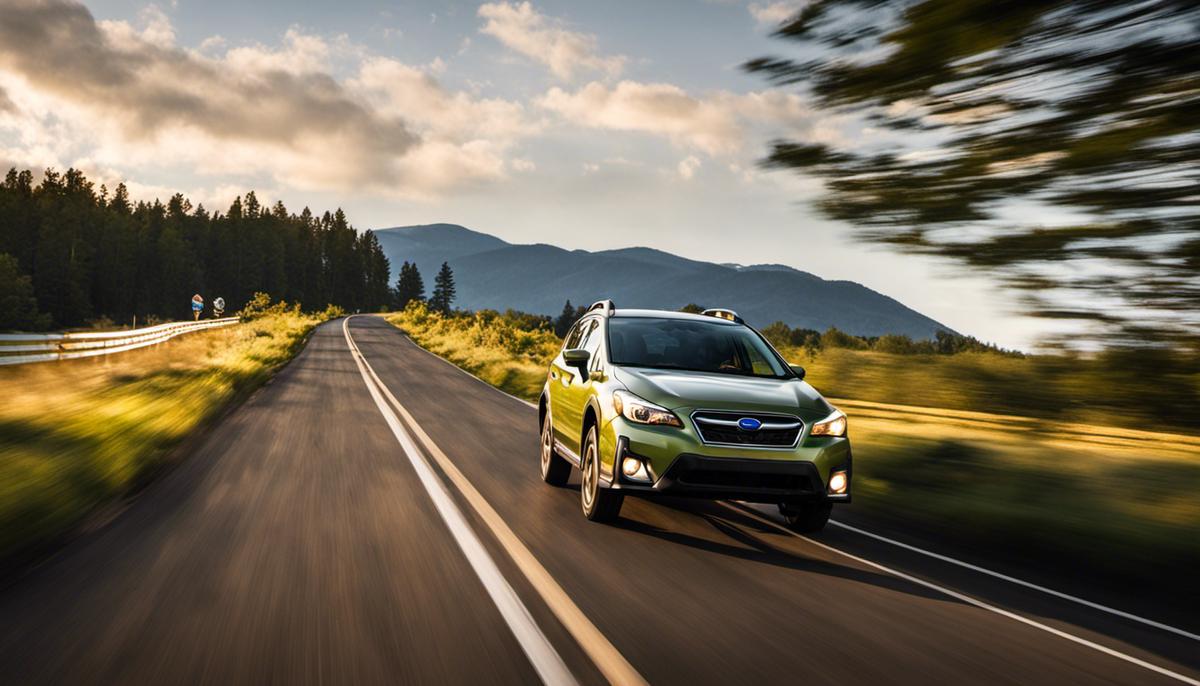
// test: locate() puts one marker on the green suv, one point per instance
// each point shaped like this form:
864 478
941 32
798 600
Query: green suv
645 402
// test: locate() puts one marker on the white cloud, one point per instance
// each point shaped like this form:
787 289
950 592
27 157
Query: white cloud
315 112
687 167
467 137
395 88
158 30
212 43
523 29
775 13
717 123
124 97
437 66
155 29
300 53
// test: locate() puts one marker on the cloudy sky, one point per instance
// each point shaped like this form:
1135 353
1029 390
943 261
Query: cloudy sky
583 124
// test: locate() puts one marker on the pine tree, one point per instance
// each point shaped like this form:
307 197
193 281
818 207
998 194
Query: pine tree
409 286
1107 147
18 307
568 317
92 254
376 293
443 290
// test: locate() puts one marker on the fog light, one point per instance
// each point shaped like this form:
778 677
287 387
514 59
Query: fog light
630 465
838 482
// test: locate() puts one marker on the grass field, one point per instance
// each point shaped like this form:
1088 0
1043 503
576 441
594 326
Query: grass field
1119 499
79 434
1123 389
487 345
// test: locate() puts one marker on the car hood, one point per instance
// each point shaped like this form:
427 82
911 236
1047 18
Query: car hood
693 390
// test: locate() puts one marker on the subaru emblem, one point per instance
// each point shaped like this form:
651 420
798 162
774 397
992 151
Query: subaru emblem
749 424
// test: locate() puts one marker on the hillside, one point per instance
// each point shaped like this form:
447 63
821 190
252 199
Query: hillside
492 273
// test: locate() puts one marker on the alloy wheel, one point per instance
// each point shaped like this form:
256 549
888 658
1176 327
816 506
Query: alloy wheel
547 446
588 474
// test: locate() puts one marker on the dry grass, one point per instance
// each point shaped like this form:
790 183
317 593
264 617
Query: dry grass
484 344
1152 394
1080 495
75 435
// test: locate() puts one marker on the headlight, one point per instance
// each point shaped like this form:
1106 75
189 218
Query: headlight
833 425
642 411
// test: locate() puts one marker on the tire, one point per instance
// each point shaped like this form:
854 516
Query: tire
599 504
555 469
806 518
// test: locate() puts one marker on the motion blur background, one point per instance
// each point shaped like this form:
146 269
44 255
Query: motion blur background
1025 175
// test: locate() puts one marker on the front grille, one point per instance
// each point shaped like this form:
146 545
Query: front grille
721 478
721 428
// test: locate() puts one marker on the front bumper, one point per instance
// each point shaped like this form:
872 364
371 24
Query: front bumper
680 464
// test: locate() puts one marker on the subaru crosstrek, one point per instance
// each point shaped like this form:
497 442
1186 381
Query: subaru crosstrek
648 402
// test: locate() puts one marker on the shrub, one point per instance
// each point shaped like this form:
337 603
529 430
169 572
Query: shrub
260 306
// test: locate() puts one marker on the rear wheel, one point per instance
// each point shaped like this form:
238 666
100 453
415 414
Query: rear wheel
806 518
555 470
599 504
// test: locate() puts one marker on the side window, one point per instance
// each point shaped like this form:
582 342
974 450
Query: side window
592 343
572 338
588 330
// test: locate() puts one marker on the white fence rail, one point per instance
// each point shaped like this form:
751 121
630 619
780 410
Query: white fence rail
25 348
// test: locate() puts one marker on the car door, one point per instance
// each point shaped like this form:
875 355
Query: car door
559 383
573 389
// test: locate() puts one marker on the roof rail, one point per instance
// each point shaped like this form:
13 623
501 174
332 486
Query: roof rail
723 314
606 305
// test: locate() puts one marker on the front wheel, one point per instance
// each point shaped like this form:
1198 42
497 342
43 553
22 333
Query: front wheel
555 470
806 518
599 504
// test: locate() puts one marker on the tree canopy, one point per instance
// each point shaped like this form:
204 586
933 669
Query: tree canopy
443 290
569 315
90 254
1052 144
409 285
18 305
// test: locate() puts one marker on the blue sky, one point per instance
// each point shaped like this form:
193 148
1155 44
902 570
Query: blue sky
583 124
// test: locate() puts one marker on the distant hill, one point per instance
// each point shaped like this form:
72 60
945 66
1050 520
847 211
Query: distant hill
492 273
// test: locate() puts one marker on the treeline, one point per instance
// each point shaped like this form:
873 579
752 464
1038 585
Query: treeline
944 342
780 334
1150 389
71 254
410 287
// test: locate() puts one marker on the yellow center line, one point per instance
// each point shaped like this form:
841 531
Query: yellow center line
611 663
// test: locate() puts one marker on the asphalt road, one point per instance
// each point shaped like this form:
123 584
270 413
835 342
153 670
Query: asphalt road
305 541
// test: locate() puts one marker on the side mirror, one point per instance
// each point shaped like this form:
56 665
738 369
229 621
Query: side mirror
578 358
798 371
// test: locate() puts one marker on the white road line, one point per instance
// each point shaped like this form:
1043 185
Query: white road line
1021 582
603 653
972 601
545 659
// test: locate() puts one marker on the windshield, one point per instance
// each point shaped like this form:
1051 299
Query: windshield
691 345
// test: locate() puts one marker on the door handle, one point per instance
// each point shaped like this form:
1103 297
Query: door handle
553 374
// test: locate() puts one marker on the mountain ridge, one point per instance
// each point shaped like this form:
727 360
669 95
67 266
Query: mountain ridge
493 273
